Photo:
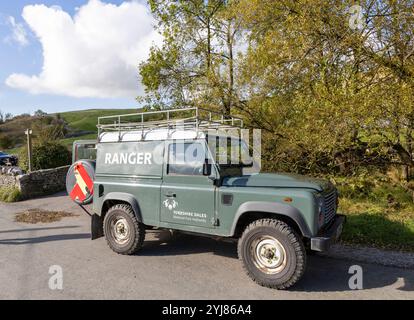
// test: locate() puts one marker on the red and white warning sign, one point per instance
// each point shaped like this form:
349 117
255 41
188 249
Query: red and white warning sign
79 181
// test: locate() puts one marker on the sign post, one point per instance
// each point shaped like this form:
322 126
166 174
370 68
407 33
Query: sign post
29 133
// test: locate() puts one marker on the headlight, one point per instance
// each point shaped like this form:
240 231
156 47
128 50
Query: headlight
321 204
321 213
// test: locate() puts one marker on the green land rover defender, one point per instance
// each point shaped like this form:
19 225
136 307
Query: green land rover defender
161 170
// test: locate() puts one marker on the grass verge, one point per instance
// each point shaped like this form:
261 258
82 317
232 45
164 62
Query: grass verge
10 194
375 224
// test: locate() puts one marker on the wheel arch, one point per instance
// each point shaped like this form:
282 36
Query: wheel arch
110 200
251 211
115 198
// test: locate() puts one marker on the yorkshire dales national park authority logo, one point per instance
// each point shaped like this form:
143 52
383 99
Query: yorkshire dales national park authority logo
170 204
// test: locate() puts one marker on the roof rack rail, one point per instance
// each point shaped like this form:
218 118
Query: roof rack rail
186 118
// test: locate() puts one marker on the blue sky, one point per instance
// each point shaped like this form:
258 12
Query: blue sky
96 74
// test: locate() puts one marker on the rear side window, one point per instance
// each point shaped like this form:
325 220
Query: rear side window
186 159
85 151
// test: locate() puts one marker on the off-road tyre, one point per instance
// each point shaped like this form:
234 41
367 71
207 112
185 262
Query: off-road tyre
128 242
281 236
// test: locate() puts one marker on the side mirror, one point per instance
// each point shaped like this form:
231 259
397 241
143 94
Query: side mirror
207 169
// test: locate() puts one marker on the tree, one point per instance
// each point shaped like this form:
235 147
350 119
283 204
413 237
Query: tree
46 155
195 65
40 113
328 97
7 117
321 89
6 142
49 129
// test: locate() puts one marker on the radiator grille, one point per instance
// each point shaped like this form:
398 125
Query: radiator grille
330 206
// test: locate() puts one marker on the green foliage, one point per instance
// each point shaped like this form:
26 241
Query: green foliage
374 187
6 141
357 187
10 194
46 156
47 129
323 90
327 100
40 113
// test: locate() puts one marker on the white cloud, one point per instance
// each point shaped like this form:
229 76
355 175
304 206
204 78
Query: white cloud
95 53
19 34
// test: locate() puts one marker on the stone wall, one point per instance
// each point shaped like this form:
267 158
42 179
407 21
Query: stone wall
8 180
38 183
9 176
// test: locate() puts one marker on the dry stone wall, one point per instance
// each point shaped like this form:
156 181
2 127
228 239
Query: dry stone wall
35 184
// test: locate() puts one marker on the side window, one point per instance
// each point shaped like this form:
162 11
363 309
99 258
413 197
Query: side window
84 152
186 159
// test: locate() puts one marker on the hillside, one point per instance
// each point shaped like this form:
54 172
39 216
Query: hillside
86 120
14 129
80 124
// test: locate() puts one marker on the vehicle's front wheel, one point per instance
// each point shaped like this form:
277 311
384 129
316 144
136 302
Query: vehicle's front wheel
272 253
123 232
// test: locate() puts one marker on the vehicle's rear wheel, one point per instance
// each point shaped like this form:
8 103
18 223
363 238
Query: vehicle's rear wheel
123 232
272 253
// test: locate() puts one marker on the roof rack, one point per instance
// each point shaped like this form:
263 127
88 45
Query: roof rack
197 119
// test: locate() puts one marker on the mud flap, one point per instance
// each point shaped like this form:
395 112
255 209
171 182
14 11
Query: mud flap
96 227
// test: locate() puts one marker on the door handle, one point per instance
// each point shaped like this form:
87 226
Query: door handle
171 195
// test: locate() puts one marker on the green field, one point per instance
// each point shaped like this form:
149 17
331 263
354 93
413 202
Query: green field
87 120
69 141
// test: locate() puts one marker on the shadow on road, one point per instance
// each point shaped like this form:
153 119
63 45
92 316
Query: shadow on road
51 238
327 275
38 229
161 243
322 275
55 195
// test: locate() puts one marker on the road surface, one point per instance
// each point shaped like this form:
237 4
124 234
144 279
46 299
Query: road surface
183 268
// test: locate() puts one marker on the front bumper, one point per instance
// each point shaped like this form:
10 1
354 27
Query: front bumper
329 236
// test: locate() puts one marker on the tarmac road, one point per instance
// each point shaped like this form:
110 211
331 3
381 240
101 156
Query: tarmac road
183 268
